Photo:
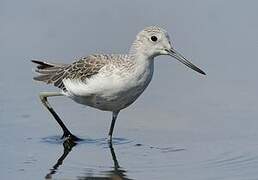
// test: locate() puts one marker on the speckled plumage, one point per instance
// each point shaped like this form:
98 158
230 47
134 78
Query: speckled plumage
81 69
109 82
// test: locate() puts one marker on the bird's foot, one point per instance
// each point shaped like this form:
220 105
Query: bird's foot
110 139
70 136
69 144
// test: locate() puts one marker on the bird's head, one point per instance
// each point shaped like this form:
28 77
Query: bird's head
154 41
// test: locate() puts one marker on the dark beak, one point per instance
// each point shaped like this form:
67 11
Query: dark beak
183 60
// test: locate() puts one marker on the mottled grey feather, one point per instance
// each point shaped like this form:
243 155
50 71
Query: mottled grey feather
55 73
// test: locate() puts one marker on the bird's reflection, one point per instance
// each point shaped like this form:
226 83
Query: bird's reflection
117 173
68 146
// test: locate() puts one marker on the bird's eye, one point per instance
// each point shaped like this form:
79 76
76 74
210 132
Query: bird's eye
154 38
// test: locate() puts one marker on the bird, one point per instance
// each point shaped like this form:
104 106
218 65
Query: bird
108 82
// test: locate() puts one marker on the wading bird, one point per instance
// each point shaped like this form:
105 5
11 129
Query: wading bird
108 82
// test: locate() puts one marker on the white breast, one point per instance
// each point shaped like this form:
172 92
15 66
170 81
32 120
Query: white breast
113 90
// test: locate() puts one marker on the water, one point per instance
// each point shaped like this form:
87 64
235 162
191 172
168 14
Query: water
184 126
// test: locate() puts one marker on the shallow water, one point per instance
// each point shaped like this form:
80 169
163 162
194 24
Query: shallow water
185 126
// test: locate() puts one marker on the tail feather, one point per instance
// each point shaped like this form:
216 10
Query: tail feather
42 64
44 78
47 70
50 73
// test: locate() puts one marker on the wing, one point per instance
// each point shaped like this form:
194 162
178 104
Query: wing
82 69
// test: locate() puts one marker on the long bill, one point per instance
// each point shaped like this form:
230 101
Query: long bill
183 60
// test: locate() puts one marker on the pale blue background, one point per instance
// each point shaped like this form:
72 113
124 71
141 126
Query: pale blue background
214 117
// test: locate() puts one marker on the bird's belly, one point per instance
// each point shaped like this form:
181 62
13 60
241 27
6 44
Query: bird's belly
109 93
112 102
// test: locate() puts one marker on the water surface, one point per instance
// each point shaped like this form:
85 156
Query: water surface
185 126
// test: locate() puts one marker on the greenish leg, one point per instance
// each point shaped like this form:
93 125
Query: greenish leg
43 97
114 117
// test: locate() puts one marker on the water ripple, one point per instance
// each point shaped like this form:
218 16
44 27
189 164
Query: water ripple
98 141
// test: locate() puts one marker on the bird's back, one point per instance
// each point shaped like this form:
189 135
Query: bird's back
52 73
101 81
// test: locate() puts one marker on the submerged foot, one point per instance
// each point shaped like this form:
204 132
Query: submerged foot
70 136
110 139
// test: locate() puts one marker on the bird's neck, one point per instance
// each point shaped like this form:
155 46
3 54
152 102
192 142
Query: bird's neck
141 59
143 62
138 53
143 67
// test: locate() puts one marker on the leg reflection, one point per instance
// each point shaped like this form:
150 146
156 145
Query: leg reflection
68 145
116 173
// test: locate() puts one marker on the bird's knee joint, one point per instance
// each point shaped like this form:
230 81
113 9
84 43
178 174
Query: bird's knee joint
43 98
